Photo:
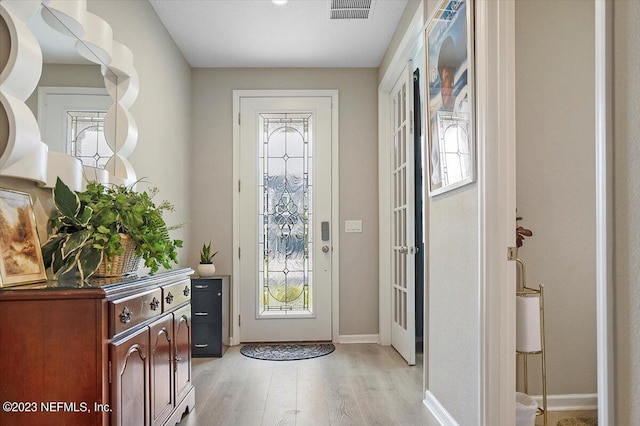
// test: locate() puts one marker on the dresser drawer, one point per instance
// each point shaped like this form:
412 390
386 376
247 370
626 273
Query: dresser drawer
175 294
128 312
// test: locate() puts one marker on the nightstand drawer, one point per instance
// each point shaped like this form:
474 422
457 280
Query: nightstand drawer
206 285
206 340
207 307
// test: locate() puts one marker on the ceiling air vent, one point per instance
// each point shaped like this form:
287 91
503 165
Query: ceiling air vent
350 9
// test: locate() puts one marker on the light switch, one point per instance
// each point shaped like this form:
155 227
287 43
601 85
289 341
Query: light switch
352 226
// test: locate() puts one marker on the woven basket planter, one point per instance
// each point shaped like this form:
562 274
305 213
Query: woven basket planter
123 264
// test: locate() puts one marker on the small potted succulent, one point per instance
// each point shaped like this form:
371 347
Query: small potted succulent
206 268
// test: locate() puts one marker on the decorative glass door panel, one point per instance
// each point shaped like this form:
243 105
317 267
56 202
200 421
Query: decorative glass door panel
284 213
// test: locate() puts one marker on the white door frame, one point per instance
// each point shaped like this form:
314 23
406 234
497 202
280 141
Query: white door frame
604 210
495 23
235 337
496 145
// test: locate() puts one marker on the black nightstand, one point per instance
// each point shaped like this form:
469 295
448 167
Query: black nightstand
210 313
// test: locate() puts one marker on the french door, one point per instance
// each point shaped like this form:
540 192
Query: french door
285 207
403 220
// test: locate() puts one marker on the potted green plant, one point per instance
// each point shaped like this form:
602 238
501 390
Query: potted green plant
94 228
206 268
521 233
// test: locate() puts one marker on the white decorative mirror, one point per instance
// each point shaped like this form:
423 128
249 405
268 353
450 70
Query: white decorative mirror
45 37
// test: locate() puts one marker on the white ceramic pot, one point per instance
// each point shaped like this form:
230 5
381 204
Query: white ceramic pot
206 270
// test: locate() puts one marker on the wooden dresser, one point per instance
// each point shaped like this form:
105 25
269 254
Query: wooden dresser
106 352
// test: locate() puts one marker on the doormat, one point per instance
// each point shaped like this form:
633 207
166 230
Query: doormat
578 421
286 351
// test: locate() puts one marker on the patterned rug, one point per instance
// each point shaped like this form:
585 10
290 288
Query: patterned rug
286 351
578 421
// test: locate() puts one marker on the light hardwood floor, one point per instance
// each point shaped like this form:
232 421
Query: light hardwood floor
358 384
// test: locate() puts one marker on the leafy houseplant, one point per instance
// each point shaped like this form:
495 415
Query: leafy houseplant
206 268
521 233
90 226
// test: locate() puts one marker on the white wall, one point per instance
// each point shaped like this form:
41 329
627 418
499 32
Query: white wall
626 135
212 181
555 130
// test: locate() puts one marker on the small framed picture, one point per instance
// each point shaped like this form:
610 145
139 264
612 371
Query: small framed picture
20 254
450 95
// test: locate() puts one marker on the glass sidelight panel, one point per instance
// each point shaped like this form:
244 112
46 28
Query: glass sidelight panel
285 217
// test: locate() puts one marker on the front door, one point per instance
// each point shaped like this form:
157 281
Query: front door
285 218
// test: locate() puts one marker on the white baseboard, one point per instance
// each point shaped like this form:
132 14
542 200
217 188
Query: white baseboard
438 411
359 338
569 402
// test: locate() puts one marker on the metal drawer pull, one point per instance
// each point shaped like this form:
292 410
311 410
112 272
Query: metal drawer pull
219 294
201 314
169 298
125 316
186 291
202 346
155 304
202 286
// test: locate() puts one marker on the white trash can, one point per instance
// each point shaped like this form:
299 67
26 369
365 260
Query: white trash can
525 410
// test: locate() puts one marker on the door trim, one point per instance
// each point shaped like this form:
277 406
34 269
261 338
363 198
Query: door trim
235 337
604 212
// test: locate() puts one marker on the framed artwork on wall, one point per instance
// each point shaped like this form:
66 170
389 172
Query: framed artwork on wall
20 253
450 96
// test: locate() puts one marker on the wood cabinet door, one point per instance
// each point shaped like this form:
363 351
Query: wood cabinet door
130 379
161 369
182 348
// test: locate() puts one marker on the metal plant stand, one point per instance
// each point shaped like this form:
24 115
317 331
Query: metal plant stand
534 348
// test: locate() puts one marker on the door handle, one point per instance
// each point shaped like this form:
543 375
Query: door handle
325 249
324 227
408 250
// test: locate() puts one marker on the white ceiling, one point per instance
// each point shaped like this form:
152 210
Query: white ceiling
258 33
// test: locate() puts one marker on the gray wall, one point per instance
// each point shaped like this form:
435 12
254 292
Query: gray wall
212 181
405 20
162 110
626 135
452 305
555 138
163 107
66 75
